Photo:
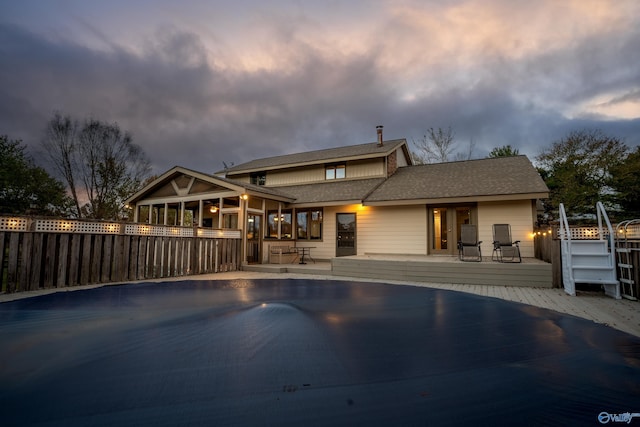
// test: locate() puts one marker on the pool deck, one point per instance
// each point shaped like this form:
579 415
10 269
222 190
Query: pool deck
623 315
530 272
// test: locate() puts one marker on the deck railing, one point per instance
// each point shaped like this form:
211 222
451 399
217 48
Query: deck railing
40 253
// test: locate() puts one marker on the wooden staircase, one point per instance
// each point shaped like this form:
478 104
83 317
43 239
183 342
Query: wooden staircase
589 260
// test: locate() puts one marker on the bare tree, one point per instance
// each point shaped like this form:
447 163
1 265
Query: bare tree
439 146
60 145
103 161
468 155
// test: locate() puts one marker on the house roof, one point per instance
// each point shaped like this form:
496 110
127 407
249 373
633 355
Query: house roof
500 178
213 179
339 191
362 151
497 178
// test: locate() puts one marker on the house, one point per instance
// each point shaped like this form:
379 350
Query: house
351 200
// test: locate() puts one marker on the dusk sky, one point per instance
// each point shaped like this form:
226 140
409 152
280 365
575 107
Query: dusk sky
199 83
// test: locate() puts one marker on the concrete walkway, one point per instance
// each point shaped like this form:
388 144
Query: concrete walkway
622 314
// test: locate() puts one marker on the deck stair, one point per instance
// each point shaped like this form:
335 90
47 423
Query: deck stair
589 259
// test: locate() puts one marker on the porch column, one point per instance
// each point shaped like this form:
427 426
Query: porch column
279 220
200 212
181 214
220 223
166 215
242 224
135 213
150 213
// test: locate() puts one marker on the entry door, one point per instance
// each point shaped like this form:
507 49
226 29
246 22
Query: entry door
346 234
445 226
254 236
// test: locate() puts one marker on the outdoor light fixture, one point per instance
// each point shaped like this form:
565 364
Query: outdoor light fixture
244 196
213 209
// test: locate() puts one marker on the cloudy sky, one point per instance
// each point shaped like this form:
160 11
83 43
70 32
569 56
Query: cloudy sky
202 82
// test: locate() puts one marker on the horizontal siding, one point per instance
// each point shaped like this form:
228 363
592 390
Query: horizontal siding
392 230
389 230
518 214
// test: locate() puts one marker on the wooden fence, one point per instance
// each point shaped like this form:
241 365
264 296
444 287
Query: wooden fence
46 253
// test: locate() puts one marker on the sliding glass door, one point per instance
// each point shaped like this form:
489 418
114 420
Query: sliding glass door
444 227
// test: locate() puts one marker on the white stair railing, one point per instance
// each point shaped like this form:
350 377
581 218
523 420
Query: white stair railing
565 251
611 237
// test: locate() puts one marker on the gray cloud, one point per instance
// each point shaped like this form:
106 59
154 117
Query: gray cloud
186 104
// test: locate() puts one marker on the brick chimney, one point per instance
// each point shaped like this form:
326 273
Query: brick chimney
379 131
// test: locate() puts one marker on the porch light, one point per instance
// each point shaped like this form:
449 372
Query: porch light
244 196
213 209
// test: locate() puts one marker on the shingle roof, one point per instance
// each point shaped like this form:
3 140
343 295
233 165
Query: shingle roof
319 156
498 176
334 191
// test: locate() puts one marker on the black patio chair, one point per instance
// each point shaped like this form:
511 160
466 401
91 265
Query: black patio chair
468 245
504 249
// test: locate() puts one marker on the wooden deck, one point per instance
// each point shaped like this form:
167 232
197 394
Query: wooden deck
424 269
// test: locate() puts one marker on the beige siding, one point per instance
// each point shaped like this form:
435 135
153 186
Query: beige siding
403 230
357 169
242 178
516 213
365 168
392 230
389 230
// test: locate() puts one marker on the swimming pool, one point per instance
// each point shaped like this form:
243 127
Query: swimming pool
305 352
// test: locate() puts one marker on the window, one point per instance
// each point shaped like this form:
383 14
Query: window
230 220
284 220
336 171
258 178
309 224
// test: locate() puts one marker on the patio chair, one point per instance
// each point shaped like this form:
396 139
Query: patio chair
468 245
504 249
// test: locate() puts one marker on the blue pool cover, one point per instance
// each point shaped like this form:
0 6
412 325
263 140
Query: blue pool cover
303 352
